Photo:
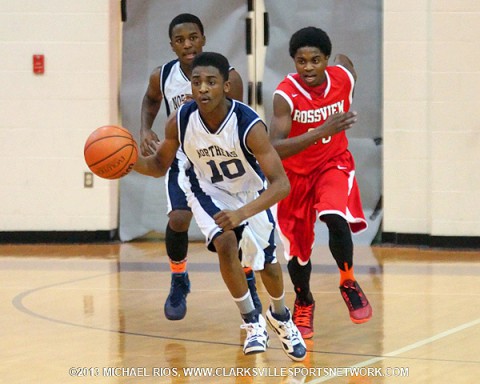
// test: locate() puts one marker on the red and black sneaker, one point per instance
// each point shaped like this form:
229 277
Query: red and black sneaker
303 318
357 303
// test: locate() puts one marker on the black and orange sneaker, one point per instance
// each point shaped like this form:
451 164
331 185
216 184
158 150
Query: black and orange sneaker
303 318
357 303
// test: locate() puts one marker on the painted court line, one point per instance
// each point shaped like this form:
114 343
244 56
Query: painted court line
407 348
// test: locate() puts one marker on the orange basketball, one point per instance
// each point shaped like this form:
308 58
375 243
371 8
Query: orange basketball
110 152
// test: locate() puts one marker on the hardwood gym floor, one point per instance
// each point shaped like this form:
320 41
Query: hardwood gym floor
93 313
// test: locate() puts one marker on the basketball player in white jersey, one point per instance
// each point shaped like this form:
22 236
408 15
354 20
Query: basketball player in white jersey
230 164
171 82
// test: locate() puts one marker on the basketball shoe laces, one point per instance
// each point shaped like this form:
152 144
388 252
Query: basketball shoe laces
253 331
290 333
178 291
303 315
353 296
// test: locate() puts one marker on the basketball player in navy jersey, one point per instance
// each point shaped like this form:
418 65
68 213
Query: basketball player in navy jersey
321 171
171 83
235 176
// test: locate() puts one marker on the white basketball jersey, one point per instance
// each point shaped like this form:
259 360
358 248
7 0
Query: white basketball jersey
175 85
222 159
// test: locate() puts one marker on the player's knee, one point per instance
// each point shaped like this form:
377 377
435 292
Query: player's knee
272 271
226 246
179 220
336 223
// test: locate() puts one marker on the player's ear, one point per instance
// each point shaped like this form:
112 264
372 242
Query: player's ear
204 38
227 86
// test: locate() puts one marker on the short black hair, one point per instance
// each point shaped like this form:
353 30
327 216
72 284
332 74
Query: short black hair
310 37
217 60
184 18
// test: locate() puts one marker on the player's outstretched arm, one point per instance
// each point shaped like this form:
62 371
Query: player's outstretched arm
150 106
282 123
157 165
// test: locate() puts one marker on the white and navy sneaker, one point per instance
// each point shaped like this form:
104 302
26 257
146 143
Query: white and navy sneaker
257 336
289 335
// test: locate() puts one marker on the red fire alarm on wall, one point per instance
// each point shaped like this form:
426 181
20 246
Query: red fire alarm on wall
38 64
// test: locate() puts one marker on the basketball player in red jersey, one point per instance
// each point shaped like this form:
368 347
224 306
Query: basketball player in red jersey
306 106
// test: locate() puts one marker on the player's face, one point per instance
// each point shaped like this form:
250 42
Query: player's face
187 41
310 64
208 87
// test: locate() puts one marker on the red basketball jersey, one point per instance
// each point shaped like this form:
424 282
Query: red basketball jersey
310 107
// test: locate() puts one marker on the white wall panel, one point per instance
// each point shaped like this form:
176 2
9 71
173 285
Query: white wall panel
46 118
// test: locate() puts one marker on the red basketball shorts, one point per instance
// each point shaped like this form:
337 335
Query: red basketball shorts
330 190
